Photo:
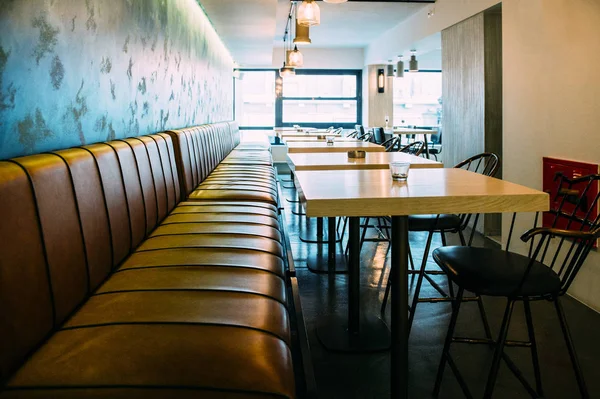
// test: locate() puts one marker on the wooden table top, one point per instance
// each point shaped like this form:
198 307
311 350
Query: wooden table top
427 191
340 161
312 138
406 130
321 146
307 134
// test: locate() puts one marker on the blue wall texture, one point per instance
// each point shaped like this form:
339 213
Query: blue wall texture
76 72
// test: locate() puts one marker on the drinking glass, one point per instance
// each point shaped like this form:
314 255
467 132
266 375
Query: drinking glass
399 170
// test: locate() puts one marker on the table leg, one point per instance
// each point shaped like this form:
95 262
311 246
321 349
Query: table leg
317 262
399 315
354 333
319 236
426 146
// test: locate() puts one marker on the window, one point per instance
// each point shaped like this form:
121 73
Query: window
418 99
255 99
316 98
322 98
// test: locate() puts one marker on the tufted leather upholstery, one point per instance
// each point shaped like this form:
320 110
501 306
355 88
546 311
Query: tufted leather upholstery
234 172
112 287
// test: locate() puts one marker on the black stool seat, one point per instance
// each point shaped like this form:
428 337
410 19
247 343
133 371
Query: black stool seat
495 272
432 222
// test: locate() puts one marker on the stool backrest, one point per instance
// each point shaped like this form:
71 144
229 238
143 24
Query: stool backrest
415 148
575 228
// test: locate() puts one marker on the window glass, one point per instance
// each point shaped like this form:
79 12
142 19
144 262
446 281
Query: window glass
255 99
418 99
320 86
332 112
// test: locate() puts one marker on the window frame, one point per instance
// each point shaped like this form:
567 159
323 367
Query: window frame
279 99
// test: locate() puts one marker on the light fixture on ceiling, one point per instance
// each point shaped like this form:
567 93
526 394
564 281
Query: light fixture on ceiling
302 34
287 71
413 64
335 1
309 13
295 57
390 69
400 68
380 80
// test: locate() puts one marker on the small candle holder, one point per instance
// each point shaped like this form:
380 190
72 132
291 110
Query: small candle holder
357 154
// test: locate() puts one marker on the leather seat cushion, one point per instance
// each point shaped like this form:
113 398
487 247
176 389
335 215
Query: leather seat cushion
188 306
218 228
495 272
164 356
206 278
240 183
206 257
225 208
244 204
228 193
250 243
221 218
432 222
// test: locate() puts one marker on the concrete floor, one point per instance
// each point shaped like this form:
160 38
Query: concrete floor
366 376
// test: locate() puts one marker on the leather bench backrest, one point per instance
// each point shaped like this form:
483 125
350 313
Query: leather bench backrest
199 149
68 219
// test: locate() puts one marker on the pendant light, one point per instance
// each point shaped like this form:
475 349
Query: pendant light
287 71
390 69
400 68
295 57
413 65
302 34
308 13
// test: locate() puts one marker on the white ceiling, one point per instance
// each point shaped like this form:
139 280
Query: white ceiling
351 24
247 28
252 28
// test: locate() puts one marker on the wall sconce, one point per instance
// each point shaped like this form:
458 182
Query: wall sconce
380 80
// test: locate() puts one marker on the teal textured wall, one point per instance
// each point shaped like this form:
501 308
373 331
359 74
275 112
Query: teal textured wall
77 72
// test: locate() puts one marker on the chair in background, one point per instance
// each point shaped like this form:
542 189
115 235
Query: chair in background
378 135
486 164
435 145
392 144
415 148
545 273
353 134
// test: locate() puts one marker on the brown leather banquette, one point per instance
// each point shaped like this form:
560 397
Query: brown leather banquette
112 287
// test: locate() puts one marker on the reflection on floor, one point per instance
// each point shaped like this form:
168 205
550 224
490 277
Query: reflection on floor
366 376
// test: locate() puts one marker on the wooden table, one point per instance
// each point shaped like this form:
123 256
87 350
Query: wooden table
306 134
317 138
403 131
340 161
356 193
336 147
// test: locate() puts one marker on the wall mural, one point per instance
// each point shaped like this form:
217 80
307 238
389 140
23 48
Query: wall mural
76 72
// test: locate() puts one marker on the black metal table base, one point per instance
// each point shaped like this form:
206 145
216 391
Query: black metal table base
317 235
373 335
320 263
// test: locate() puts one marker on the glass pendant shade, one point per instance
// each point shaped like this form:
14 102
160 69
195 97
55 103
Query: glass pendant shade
390 71
295 58
413 64
287 71
308 13
400 69
302 34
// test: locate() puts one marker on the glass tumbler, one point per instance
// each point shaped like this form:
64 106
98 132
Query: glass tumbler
399 170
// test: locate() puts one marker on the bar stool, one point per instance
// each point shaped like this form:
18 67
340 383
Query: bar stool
545 273
484 163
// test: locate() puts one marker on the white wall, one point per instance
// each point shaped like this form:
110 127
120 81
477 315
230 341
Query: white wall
417 27
325 58
551 53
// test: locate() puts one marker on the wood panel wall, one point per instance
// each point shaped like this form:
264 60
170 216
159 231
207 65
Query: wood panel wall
472 92
380 104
